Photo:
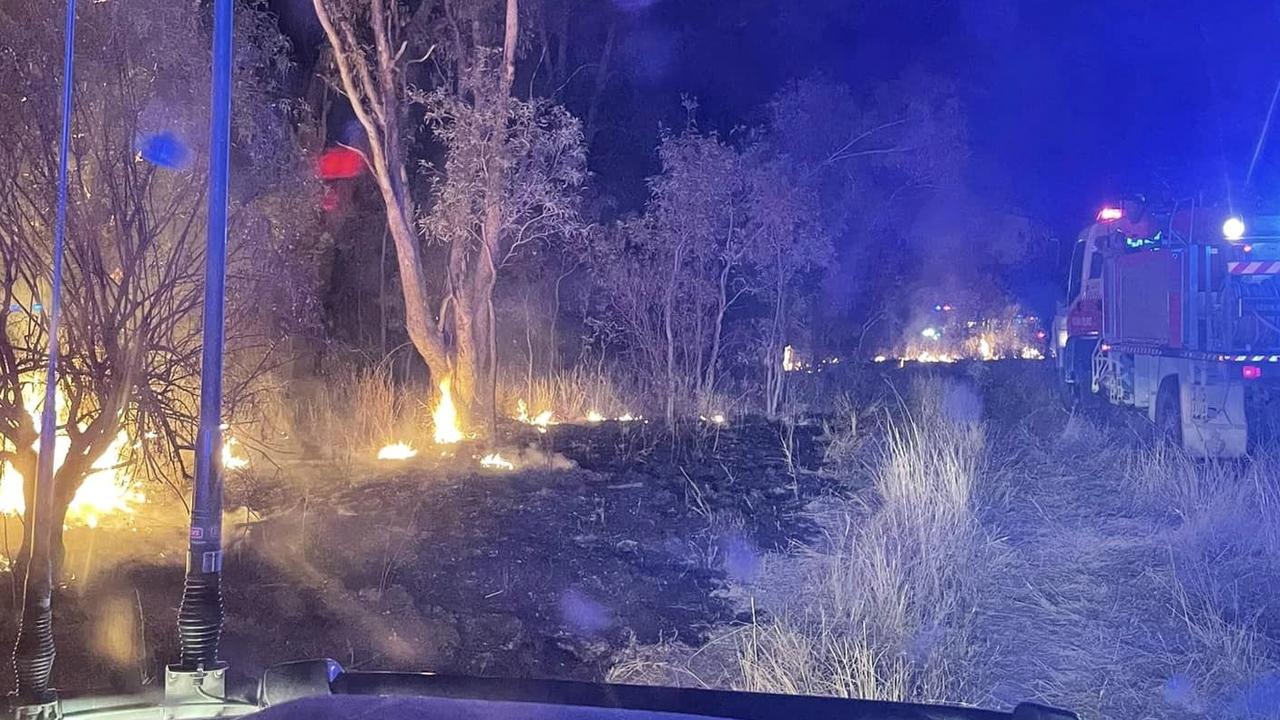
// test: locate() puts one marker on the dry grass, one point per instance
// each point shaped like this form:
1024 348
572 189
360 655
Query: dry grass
880 609
1129 581
570 395
359 412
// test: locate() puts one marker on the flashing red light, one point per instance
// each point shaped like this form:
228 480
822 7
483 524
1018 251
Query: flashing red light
1106 347
339 163
1250 372
1110 214
1247 248
1040 335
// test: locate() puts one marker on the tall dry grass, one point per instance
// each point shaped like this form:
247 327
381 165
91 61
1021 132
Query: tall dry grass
884 609
569 394
356 413
1221 527
881 607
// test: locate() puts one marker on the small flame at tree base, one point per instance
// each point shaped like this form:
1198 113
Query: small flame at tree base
445 417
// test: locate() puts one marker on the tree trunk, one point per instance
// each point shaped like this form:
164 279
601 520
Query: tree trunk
722 306
776 372
379 118
668 310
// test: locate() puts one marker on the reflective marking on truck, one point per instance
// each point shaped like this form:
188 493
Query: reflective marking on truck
1254 268
1210 356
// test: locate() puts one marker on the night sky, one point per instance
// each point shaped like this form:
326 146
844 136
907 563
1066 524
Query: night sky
1067 104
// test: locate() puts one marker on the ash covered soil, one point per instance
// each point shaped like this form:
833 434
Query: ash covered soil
607 534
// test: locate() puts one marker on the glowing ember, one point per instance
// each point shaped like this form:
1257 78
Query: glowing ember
397 451
594 417
881 358
494 461
1031 353
627 417
542 419
446 417
108 489
231 461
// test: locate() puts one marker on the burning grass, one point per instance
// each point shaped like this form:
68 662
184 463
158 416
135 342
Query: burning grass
109 489
578 395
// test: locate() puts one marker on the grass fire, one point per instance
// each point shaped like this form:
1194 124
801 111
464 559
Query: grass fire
738 347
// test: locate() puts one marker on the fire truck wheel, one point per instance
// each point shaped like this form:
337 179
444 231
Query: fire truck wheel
1077 363
1169 411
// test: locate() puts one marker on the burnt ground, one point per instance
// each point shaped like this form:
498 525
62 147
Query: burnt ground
608 534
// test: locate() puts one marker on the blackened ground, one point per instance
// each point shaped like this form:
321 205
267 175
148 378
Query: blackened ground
607 533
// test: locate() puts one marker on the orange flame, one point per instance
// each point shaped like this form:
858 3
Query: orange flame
445 416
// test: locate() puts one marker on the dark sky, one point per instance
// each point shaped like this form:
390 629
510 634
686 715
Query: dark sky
1068 102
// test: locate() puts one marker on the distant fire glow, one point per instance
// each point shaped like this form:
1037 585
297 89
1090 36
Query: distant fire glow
445 417
397 451
1001 336
789 363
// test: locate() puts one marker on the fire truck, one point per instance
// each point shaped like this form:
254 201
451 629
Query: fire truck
1177 314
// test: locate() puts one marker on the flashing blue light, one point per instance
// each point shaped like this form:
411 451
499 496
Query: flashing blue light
165 149
937 308
37 307
1233 229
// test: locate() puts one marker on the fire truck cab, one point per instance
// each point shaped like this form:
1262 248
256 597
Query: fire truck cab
1177 315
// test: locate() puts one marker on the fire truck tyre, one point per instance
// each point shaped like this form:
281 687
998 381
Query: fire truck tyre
1078 393
1169 411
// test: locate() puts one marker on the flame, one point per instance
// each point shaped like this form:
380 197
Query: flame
445 417
1031 353
542 419
789 363
984 349
497 462
594 417
397 451
107 489
231 461
627 417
